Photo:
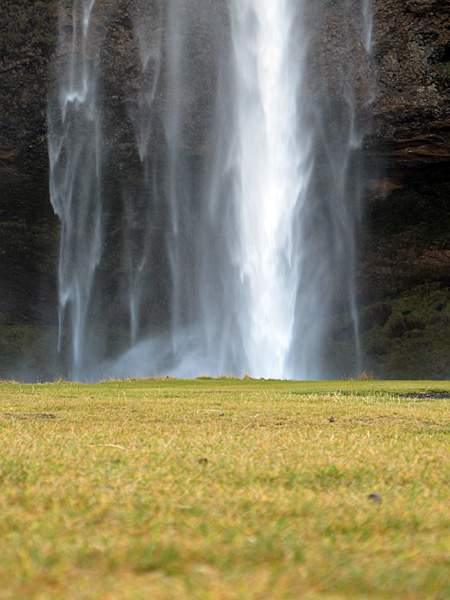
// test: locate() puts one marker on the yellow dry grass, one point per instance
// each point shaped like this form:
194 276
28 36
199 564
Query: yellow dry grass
104 493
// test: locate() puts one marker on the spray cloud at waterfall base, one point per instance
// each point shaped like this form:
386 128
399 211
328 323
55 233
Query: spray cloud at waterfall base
222 239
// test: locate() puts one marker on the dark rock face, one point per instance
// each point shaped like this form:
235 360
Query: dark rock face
403 101
411 49
405 247
28 227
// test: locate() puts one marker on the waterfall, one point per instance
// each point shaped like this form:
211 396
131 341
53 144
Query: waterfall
74 120
246 166
138 207
271 151
368 24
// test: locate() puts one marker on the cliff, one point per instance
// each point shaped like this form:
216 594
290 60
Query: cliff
402 99
404 269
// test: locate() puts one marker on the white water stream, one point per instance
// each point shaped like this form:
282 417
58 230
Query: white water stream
261 226
75 153
272 151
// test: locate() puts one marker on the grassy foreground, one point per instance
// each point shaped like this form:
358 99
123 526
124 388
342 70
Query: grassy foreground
224 489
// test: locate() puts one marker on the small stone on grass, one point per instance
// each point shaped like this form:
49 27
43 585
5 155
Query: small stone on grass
374 498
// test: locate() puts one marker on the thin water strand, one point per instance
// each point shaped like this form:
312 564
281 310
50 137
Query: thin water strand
75 183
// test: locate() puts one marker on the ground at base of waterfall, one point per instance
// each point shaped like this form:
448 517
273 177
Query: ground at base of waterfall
225 489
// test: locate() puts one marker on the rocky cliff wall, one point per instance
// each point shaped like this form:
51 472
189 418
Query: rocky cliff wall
405 267
402 98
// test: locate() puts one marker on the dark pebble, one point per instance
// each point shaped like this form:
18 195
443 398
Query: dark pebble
374 497
331 419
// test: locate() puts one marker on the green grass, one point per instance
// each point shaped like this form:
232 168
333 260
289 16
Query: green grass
103 494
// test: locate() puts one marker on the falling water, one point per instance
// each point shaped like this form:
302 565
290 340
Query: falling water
257 201
75 178
272 164
368 24
137 225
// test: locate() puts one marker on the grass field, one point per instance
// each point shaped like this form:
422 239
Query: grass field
224 489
